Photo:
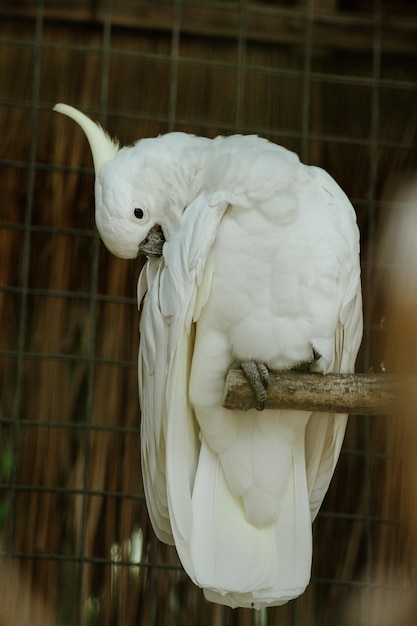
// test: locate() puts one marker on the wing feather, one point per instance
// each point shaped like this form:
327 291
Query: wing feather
152 371
325 431
168 287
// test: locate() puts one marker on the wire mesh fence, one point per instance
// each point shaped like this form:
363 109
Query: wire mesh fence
334 81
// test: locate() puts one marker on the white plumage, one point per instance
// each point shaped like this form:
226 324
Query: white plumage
260 264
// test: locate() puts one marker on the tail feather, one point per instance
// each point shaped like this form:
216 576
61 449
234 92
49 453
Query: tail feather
243 564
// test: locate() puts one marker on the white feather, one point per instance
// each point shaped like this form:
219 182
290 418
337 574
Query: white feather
259 285
167 412
261 262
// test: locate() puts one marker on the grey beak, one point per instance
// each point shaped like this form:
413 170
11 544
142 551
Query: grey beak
153 243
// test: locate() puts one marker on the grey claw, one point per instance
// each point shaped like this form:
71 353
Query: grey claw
257 375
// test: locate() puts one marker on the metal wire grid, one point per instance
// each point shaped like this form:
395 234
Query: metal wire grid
34 106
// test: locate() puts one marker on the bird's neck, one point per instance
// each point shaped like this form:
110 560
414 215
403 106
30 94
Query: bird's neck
190 166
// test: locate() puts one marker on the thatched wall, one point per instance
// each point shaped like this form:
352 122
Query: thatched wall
339 88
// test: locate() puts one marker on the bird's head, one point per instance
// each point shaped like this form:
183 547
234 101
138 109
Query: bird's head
130 201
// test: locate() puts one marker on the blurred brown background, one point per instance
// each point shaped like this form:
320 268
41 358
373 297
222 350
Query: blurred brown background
333 80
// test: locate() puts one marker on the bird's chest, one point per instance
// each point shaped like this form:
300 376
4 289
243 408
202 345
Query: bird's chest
257 269
268 283
243 264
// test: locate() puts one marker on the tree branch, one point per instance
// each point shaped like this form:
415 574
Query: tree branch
360 394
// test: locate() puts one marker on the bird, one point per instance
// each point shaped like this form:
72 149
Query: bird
252 261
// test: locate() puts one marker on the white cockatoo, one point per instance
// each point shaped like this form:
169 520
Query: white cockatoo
253 258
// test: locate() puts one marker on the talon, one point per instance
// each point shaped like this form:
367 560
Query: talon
316 355
257 375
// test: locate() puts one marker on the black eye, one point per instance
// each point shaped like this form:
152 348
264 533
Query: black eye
138 213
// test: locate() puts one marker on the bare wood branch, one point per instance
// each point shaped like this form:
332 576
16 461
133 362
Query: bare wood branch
360 394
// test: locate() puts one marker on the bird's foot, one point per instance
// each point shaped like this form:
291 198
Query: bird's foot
257 375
